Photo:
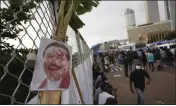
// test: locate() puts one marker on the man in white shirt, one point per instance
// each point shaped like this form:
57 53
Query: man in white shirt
104 96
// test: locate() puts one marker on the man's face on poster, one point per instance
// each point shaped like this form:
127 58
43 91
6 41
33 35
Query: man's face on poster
56 63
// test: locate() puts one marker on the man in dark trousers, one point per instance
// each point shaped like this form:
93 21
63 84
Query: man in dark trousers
126 61
130 59
138 78
102 61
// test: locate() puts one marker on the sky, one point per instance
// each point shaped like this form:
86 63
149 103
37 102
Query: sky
106 22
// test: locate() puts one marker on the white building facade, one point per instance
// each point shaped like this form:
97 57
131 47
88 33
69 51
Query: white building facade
129 16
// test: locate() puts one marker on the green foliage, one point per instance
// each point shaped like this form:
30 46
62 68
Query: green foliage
12 17
81 7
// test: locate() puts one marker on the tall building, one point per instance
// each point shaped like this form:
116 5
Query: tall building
170 10
166 7
152 11
129 18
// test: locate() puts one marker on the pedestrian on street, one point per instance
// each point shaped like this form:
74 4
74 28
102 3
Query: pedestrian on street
130 61
170 59
121 59
167 56
126 64
159 67
138 78
144 59
139 53
163 57
150 58
135 56
107 64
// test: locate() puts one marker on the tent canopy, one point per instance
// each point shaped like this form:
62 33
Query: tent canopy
165 41
99 51
95 45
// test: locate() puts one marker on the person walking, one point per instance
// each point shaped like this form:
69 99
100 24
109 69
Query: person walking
163 57
126 64
121 60
167 57
144 59
107 64
130 59
138 78
139 54
170 58
150 58
159 67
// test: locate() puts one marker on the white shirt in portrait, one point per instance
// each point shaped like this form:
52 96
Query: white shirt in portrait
52 85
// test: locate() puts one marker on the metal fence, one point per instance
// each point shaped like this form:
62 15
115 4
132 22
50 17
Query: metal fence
23 25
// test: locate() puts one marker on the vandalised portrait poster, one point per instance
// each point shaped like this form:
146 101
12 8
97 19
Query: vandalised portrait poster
53 66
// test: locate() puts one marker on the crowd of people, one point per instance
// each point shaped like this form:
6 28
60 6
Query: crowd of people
143 60
148 58
103 91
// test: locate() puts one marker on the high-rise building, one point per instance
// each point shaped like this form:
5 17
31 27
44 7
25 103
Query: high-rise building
129 18
170 10
152 11
166 7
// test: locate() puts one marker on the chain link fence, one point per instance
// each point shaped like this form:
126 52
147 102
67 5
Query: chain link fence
21 27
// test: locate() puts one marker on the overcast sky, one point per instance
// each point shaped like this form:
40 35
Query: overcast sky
106 22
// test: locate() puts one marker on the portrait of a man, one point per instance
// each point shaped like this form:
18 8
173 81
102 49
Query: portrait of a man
56 65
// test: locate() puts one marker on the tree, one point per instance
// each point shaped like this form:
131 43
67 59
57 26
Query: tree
10 23
68 15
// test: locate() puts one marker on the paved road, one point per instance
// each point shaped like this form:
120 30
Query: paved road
162 88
